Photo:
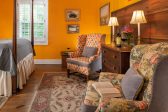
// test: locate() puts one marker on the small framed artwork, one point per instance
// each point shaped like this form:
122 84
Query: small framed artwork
105 14
72 14
72 28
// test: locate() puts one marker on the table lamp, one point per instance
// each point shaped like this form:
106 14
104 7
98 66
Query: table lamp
113 22
138 17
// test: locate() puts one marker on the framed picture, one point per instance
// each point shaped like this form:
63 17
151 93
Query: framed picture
105 14
72 28
72 14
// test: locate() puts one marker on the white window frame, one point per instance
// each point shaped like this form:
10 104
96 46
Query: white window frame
45 40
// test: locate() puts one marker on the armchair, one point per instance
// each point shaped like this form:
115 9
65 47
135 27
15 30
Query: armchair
151 62
86 65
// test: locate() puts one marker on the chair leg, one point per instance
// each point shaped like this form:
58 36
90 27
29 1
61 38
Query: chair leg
68 73
87 78
100 71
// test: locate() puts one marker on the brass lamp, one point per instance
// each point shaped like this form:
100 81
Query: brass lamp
138 18
113 22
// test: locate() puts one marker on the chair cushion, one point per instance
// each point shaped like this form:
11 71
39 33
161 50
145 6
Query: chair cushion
80 61
89 51
131 84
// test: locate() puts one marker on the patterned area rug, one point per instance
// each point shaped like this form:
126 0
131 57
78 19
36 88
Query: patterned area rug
57 93
3 100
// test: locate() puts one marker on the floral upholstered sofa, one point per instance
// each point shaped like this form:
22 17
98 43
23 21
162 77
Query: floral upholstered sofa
151 62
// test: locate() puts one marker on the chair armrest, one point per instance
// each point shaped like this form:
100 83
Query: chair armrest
121 105
93 58
74 54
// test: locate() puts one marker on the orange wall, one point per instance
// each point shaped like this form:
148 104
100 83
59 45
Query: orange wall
59 40
6 20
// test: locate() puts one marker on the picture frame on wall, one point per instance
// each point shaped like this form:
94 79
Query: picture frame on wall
73 28
72 14
104 14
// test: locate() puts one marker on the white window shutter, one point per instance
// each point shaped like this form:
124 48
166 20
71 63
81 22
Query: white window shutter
40 20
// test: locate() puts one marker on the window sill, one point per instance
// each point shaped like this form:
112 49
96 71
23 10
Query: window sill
41 43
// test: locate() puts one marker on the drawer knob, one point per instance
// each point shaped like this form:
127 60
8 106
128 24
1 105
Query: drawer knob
114 56
114 68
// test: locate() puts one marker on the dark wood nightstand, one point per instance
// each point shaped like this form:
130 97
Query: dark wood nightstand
65 55
116 60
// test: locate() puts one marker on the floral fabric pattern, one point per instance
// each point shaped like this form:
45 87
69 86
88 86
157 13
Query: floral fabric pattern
147 67
121 105
136 55
92 97
114 78
145 58
138 51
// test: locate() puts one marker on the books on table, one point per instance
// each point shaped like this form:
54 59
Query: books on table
106 89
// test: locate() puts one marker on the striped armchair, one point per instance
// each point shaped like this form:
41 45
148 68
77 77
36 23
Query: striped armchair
86 65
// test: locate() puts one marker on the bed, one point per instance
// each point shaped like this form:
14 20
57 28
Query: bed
16 60
24 65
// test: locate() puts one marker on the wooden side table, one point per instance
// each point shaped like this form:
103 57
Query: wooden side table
65 55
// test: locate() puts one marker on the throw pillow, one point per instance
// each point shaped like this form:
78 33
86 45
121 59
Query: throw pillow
131 84
89 51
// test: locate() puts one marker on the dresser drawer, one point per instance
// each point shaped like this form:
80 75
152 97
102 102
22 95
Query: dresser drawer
115 59
111 56
111 68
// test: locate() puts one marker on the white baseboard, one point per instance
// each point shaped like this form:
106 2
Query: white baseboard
47 61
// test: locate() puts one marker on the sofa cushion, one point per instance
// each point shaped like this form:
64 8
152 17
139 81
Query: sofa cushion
131 84
89 51
80 61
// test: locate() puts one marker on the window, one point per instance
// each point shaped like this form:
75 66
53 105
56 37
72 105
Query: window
24 12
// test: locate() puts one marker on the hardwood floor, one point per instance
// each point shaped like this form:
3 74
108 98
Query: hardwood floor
23 100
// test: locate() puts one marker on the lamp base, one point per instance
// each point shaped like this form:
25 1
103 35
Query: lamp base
139 41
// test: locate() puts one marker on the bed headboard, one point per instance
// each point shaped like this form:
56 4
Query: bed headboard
156 12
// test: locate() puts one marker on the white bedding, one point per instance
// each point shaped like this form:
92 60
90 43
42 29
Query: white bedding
25 68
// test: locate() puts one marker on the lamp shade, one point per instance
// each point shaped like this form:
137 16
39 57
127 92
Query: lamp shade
113 21
138 17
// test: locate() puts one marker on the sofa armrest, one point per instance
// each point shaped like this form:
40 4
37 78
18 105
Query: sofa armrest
91 96
121 105
114 78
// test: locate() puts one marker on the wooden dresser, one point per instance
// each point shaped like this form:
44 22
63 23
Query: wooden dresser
115 59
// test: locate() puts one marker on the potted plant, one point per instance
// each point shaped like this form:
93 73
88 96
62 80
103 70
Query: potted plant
127 33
